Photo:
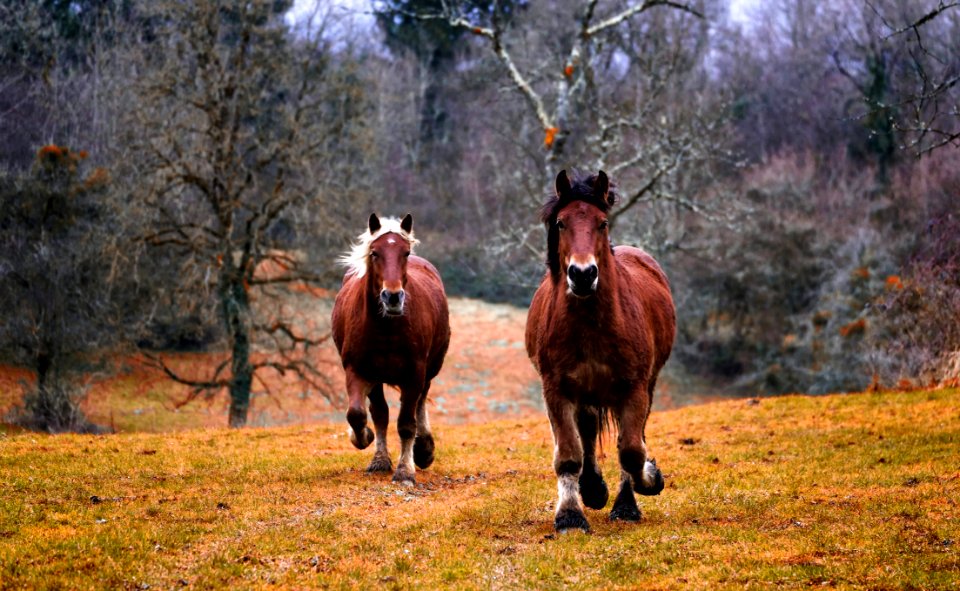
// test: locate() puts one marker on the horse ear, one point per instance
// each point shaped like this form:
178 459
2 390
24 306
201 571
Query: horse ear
563 183
406 224
601 188
374 223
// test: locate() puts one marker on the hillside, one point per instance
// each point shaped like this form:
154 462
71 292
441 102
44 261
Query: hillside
486 376
855 491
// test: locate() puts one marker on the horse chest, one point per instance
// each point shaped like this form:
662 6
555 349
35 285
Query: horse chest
387 358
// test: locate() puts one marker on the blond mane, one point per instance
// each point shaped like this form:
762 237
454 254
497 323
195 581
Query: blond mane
356 259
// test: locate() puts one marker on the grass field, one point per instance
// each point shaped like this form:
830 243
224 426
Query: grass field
855 491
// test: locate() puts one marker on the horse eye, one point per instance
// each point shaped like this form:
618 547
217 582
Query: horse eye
604 224
560 225
373 255
406 254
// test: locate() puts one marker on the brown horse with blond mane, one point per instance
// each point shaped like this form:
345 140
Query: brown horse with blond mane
391 326
600 328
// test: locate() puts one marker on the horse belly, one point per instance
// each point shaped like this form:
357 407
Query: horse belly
594 382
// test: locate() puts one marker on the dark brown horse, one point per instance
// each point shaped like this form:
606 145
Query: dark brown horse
391 326
600 328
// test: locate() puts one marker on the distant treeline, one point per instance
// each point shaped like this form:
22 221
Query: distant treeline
169 169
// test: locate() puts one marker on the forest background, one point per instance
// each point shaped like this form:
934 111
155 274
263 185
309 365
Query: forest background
181 177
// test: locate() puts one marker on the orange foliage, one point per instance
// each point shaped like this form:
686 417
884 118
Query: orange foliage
857 327
477 31
98 178
550 135
51 152
568 71
894 282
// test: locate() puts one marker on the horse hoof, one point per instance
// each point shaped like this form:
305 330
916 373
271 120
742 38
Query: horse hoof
380 464
624 513
364 441
651 482
423 451
568 519
593 490
404 479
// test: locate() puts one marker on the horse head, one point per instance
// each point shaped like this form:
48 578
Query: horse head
387 261
578 242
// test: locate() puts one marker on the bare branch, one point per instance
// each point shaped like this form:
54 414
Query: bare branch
634 10
914 26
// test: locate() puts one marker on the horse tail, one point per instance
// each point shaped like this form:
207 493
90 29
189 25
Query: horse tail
606 418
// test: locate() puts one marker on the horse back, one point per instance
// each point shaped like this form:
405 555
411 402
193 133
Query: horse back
646 285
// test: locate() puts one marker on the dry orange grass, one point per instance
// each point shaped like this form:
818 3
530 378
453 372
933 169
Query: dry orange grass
856 491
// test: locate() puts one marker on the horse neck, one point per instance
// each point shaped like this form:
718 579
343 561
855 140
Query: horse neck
370 306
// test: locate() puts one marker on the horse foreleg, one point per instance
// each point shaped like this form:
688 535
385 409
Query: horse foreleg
380 413
637 468
357 390
593 490
423 445
567 462
407 429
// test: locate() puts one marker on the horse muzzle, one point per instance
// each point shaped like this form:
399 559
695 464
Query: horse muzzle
392 302
582 279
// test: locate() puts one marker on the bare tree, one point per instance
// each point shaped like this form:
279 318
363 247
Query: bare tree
570 93
621 86
240 124
931 34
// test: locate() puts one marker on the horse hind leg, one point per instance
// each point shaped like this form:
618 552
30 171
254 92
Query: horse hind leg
625 505
593 490
380 413
423 445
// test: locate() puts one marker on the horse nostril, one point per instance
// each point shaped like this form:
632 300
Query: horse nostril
391 298
582 274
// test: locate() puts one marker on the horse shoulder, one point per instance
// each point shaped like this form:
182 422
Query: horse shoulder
535 315
345 309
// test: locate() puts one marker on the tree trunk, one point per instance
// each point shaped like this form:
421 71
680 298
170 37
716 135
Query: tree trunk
236 310
44 362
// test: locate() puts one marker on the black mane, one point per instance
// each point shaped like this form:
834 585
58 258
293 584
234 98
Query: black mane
581 189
